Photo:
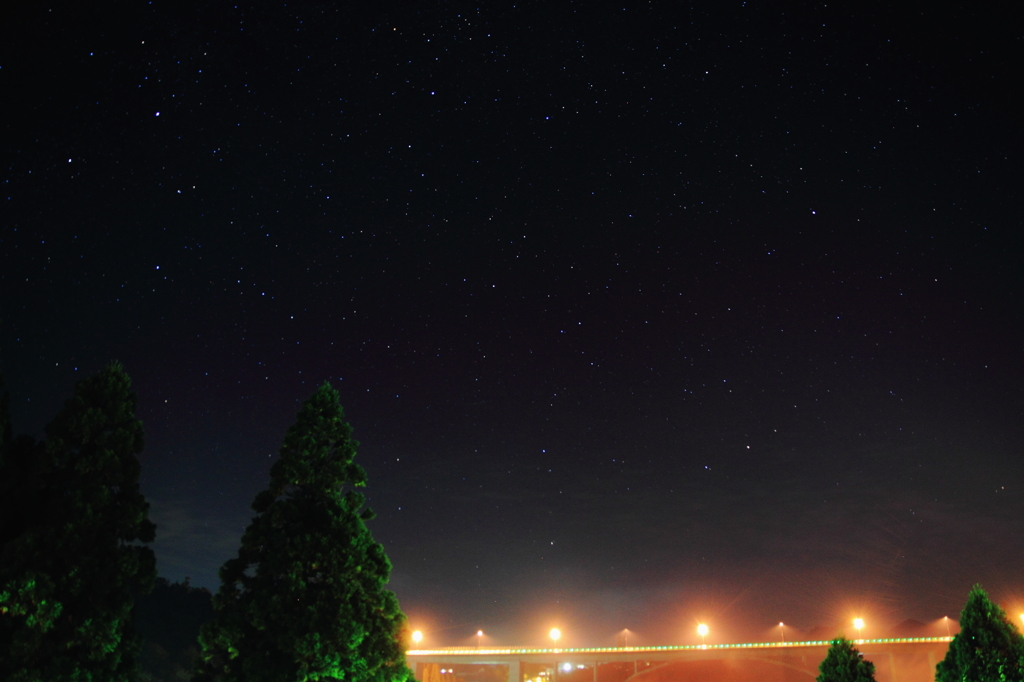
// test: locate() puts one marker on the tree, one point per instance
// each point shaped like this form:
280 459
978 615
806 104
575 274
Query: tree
988 646
844 663
70 562
305 599
23 463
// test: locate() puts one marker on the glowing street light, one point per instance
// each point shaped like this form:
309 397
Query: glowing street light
479 634
623 638
782 627
417 636
555 634
702 630
859 624
945 619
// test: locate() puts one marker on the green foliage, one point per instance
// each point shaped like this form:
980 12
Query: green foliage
844 663
305 598
69 558
988 647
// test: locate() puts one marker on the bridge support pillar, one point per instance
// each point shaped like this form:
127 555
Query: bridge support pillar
515 673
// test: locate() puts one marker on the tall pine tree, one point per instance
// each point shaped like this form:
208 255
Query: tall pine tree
27 607
987 648
305 599
843 663
70 562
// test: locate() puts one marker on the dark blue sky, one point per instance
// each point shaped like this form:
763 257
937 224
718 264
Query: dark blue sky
642 314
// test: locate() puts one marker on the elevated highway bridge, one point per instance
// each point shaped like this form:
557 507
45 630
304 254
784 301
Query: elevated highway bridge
896 660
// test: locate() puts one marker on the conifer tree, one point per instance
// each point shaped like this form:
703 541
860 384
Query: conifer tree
987 648
305 598
70 568
844 663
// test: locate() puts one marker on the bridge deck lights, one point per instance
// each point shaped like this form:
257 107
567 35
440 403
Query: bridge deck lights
640 650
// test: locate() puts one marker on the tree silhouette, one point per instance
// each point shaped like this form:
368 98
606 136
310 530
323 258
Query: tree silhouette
844 663
988 646
305 598
70 562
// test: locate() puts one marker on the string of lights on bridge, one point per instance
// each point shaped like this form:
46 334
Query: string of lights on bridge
469 651
702 629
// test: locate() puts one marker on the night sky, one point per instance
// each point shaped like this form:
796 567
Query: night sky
645 314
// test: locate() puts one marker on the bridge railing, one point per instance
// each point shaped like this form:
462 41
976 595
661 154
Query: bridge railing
519 650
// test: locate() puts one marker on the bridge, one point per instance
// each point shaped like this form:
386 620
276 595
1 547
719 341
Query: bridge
910 659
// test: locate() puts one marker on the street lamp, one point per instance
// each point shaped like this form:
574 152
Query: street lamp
623 638
417 636
479 634
702 630
555 634
859 624
782 627
945 619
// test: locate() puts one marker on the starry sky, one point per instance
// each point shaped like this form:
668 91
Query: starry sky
645 314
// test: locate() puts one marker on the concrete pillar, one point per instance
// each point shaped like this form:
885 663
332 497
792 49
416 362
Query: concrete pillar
595 671
515 672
